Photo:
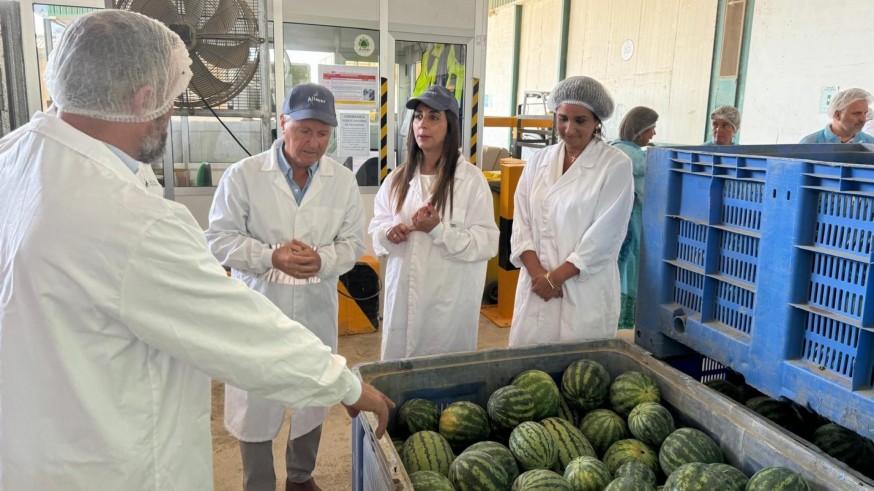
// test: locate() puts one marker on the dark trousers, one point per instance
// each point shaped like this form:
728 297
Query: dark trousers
300 461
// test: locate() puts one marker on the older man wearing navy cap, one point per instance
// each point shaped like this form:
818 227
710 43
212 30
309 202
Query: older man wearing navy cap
288 222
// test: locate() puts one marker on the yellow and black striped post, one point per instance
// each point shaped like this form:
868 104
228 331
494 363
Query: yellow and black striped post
383 128
474 120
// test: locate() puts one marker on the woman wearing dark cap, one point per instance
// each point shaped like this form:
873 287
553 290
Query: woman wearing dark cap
637 129
571 211
434 219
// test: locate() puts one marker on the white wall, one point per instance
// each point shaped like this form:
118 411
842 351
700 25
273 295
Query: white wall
797 48
499 73
539 46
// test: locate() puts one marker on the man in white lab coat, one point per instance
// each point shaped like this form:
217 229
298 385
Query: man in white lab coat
113 313
288 222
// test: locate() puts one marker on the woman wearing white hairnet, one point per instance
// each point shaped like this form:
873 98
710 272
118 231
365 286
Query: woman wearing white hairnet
572 206
637 129
724 123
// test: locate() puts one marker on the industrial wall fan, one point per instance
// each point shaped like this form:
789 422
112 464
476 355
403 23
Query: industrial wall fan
223 42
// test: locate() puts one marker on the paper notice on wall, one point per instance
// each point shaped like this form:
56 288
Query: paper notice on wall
353 133
351 85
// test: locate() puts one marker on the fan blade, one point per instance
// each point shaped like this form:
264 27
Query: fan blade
193 11
161 10
224 56
224 19
204 83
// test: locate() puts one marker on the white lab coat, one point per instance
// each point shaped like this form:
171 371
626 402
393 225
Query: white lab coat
253 209
434 282
147 175
113 318
580 217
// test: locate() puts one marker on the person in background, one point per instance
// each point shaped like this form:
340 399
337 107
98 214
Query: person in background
114 314
434 219
724 123
288 222
572 206
849 112
635 132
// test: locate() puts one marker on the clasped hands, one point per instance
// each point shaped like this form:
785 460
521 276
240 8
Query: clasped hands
545 286
424 220
297 259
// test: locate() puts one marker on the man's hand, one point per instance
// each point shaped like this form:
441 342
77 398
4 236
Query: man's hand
297 259
375 402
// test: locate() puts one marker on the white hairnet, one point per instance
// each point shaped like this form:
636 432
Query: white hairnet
727 113
638 120
846 97
582 91
117 65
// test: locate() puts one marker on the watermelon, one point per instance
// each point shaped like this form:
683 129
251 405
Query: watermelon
500 453
603 427
533 446
430 481
399 445
651 423
427 451
568 413
585 384
735 479
464 423
419 415
587 474
638 470
569 441
475 471
696 476
727 389
629 484
777 479
540 480
632 388
687 445
782 413
629 450
509 406
543 390
846 446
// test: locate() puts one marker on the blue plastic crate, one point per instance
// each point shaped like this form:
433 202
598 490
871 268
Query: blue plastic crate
759 257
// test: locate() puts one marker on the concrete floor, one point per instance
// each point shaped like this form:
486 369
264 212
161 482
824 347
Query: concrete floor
334 465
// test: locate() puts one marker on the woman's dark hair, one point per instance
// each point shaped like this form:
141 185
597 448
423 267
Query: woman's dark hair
446 164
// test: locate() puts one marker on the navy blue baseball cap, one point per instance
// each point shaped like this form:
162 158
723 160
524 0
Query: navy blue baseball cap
310 101
436 97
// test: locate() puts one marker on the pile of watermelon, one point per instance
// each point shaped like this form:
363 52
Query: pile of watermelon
591 434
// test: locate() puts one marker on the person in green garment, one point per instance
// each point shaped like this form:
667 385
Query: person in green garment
635 132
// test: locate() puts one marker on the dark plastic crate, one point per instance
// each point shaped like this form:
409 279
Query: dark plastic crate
759 257
748 441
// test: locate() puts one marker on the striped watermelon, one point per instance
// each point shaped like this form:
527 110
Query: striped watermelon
637 470
629 484
603 427
540 480
687 445
533 446
570 442
727 389
587 474
846 446
419 415
783 413
696 476
585 384
632 388
427 451
735 479
399 445
509 406
777 479
464 423
629 450
478 471
430 481
651 423
544 391
500 453
568 413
